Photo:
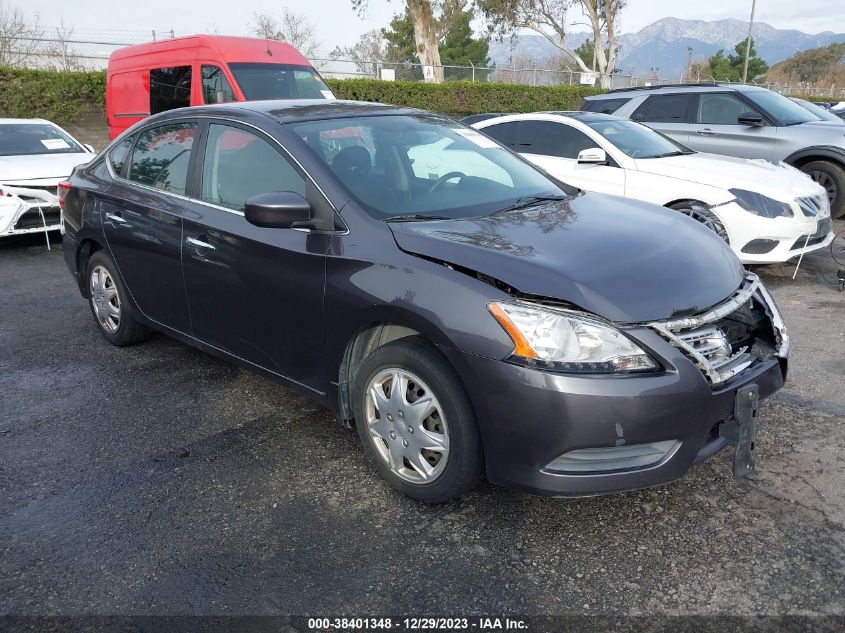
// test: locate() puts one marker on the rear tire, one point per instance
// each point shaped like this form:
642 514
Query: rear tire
699 212
416 422
832 177
109 302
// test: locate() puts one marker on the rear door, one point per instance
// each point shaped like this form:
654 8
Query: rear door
667 113
554 146
142 219
256 293
715 128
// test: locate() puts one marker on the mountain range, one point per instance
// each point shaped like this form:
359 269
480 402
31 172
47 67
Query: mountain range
663 45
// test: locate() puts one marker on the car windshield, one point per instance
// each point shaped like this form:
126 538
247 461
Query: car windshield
786 111
820 112
638 141
25 139
279 81
421 166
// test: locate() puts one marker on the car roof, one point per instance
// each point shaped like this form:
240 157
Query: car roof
674 89
295 110
577 115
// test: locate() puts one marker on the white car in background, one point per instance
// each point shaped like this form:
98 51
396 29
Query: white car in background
35 156
767 212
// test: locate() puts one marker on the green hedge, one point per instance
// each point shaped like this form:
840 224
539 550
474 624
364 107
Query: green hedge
48 94
461 98
63 96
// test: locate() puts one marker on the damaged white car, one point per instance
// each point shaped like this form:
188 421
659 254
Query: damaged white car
35 156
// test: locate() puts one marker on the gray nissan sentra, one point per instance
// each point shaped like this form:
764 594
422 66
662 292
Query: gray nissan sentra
467 313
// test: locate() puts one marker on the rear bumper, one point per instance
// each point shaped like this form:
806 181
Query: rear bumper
528 418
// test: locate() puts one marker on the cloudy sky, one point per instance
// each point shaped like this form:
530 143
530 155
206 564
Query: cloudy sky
337 23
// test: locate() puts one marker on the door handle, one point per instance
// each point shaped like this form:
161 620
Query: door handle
115 218
199 243
705 132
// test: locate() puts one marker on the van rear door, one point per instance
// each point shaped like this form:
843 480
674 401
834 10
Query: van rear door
128 98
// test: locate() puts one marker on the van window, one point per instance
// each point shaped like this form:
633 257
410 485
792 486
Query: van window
239 165
279 81
170 88
215 86
161 156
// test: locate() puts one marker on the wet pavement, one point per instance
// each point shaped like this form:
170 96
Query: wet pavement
159 480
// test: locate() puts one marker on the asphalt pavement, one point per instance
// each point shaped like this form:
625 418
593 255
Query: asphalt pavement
156 479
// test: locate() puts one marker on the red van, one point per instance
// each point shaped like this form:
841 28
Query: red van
198 69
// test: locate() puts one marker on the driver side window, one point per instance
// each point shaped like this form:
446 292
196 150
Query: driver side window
161 157
720 109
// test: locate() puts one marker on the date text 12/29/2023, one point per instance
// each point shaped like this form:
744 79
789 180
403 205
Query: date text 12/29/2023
353 624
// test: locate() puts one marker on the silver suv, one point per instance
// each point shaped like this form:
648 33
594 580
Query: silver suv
736 120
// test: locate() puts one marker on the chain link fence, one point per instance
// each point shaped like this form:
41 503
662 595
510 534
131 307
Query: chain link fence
66 53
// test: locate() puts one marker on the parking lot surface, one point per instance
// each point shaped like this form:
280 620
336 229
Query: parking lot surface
156 479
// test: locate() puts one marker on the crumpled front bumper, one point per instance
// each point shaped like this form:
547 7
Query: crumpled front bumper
24 210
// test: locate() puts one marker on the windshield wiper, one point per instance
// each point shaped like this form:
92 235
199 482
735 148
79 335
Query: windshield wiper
527 201
667 154
416 217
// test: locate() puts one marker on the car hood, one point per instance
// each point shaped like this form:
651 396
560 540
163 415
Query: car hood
625 260
776 180
40 166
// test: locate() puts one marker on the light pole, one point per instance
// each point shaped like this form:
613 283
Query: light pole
689 64
748 43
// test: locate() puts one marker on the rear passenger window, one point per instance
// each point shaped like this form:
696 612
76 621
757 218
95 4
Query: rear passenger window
215 86
505 133
551 139
161 156
117 155
239 165
663 109
603 106
170 88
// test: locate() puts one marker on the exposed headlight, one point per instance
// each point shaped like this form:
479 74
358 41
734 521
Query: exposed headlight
761 205
568 341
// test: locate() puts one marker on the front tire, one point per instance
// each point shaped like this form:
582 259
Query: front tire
109 303
416 423
832 177
699 212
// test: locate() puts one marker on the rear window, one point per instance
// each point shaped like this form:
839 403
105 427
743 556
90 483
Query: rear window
279 81
23 139
603 106
663 109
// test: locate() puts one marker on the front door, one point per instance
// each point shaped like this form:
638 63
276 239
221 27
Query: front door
143 221
256 293
715 128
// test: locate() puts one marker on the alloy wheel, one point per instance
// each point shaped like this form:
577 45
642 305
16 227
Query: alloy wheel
700 214
105 299
406 425
825 181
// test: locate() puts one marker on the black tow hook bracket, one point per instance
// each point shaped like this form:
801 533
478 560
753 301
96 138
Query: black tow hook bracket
741 430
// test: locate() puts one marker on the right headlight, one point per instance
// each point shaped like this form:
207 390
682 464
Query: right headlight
568 341
761 205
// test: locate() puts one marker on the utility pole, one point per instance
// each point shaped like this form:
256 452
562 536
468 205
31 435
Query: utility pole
748 43
689 63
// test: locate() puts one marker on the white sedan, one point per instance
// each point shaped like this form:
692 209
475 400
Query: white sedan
35 156
767 212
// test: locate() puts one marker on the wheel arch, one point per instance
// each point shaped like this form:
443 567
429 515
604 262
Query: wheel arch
827 153
87 247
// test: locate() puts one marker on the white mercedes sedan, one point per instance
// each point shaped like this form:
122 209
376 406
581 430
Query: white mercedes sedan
35 156
766 212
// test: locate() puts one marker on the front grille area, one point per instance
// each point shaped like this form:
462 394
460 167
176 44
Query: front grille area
814 206
32 218
731 337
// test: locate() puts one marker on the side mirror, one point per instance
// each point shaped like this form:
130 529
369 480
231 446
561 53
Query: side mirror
277 210
90 148
752 119
592 156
